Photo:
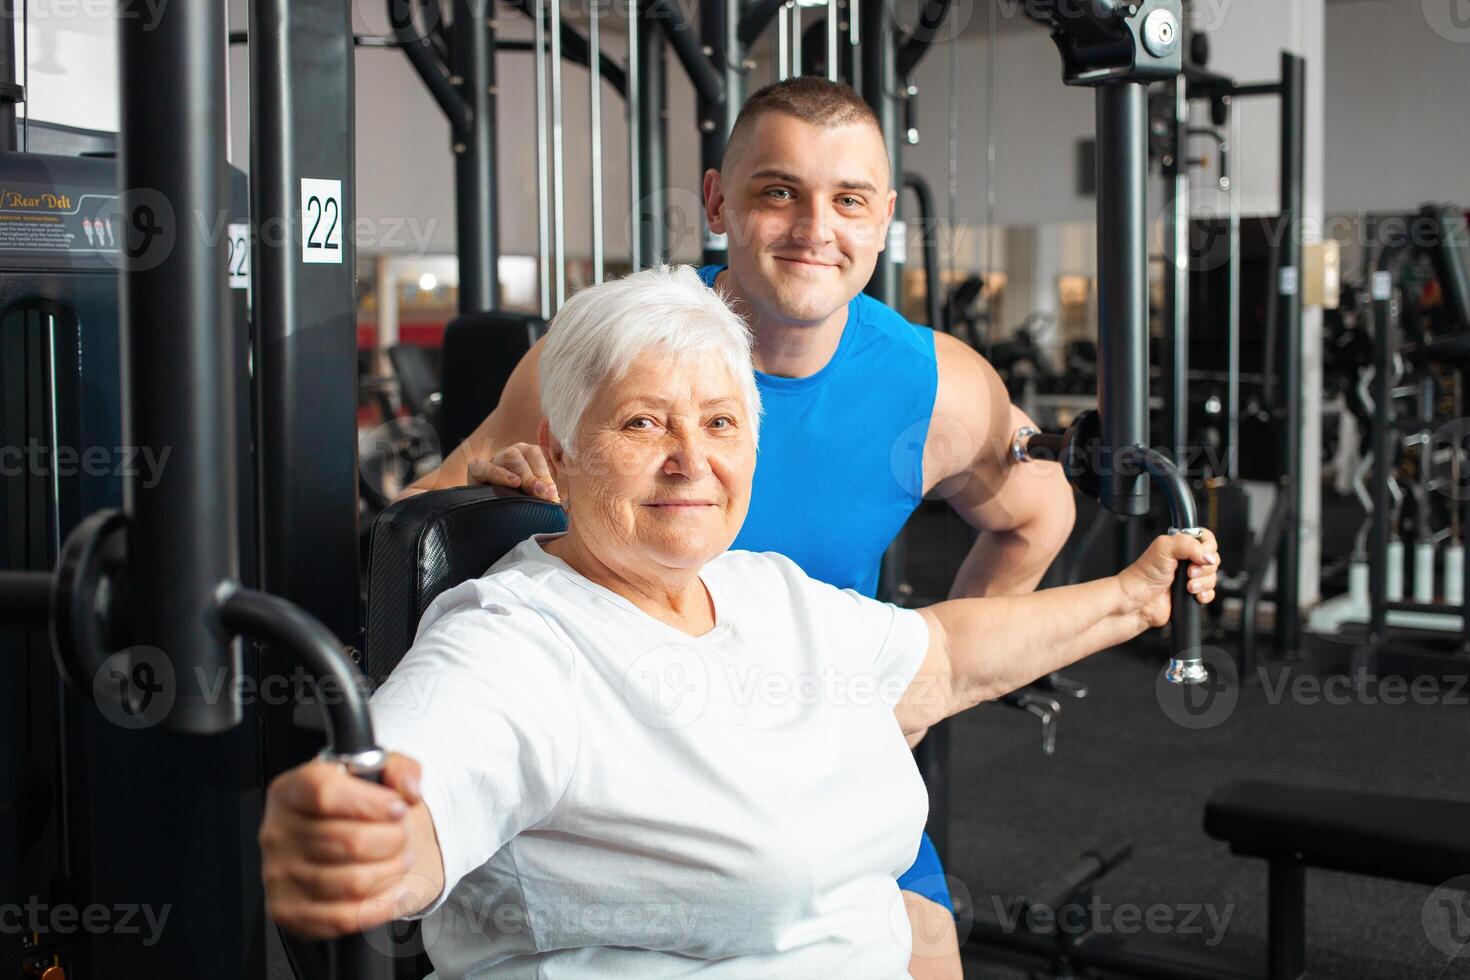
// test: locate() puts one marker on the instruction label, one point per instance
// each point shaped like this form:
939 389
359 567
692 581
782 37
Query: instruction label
48 219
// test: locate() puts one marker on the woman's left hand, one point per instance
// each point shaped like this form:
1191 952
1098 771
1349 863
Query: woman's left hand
1149 580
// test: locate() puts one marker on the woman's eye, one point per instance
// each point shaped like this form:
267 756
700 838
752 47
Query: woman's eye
641 423
722 422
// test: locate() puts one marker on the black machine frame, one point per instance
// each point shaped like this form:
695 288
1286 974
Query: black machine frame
1280 538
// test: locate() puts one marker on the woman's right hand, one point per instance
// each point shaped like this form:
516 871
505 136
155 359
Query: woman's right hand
521 466
338 852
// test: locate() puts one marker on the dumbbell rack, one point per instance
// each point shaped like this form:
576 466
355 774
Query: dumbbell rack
1384 652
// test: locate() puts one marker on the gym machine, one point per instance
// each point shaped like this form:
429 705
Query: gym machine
1281 396
148 601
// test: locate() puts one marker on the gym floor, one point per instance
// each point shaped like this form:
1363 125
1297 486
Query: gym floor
1122 768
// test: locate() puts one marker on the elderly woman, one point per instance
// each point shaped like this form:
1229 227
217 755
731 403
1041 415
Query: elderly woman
628 751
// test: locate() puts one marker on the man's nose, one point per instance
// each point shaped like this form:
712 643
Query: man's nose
813 226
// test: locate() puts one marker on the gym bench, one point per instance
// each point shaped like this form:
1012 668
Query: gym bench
1297 827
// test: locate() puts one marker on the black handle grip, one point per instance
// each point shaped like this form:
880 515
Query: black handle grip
1185 616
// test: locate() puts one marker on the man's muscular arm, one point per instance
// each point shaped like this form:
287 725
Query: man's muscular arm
1024 511
514 421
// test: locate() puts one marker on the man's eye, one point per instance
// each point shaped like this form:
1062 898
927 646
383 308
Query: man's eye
779 193
850 202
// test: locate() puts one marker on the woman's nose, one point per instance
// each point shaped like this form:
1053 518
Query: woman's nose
687 456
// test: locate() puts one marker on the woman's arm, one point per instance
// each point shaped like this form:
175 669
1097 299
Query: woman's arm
980 649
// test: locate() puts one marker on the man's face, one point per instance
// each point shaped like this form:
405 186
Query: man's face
806 211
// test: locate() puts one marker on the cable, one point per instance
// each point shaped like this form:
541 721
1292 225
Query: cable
953 176
25 73
989 250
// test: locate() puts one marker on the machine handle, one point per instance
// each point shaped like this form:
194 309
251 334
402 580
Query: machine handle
349 730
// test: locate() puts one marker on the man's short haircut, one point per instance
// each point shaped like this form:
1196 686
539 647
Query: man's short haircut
810 98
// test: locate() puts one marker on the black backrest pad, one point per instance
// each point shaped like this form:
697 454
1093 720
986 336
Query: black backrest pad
415 375
480 351
430 542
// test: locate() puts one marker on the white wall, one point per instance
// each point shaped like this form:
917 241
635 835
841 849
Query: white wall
1397 76
73 59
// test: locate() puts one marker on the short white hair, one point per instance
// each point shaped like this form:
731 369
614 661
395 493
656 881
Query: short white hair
598 333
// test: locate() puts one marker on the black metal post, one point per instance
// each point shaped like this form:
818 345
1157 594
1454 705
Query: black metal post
10 91
758 16
707 79
718 26
179 398
1464 503
1385 322
930 238
1176 281
653 161
1289 309
931 20
1286 898
879 60
302 179
1122 289
476 220
178 388
421 45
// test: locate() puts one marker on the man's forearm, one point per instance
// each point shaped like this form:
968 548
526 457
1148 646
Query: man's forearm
455 470
1012 562
999 644
1003 563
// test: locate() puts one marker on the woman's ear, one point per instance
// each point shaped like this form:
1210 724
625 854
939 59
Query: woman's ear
556 458
555 454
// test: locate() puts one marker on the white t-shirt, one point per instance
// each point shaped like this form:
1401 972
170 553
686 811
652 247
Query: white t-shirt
615 798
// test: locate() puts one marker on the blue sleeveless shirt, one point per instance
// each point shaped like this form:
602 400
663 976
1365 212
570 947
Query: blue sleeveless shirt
841 461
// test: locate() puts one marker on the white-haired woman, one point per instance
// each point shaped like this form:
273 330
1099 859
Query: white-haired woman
629 751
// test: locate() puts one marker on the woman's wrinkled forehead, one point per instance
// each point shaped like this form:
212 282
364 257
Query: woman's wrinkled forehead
659 377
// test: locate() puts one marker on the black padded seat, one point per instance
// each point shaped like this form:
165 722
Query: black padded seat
1397 837
421 546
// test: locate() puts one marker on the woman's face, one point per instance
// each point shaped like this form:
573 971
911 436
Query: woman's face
661 477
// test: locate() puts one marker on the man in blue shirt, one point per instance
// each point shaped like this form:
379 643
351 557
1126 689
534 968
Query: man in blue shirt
865 413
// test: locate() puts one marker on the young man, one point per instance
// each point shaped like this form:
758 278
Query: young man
865 414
